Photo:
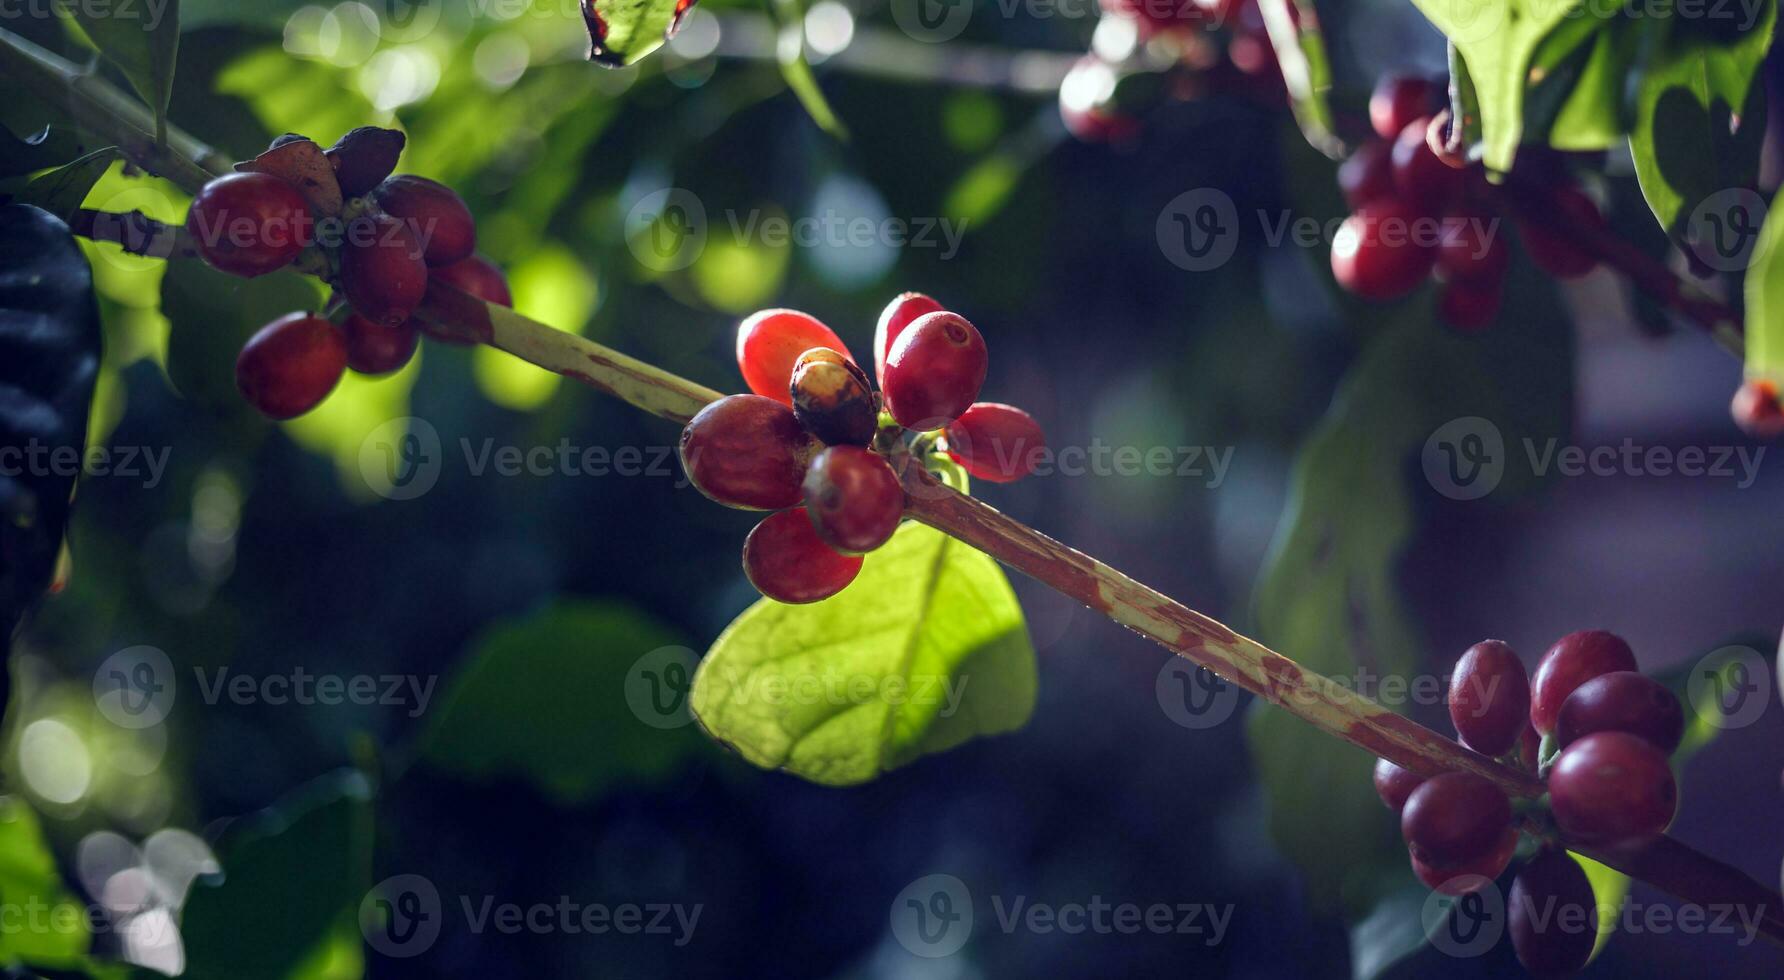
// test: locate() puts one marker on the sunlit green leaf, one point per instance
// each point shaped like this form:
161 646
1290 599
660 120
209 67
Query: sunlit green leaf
142 39
1765 298
30 880
61 191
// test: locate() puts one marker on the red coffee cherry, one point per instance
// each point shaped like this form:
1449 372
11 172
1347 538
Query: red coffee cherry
1489 697
832 398
435 214
375 348
1384 250
478 276
364 157
1394 784
1574 659
934 371
249 224
1756 409
770 341
1400 99
747 451
1453 819
1420 177
1612 788
291 364
1471 246
1622 701
1554 251
854 498
1470 304
382 271
1553 915
996 442
786 560
1368 175
1473 874
898 314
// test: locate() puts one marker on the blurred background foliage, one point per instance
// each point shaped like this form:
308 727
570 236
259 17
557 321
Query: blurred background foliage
521 601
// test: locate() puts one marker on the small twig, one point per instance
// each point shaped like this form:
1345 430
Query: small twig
136 232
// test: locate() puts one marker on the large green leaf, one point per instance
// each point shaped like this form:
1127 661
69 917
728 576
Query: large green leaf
1700 121
62 190
574 698
289 874
1765 298
29 880
925 650
142 39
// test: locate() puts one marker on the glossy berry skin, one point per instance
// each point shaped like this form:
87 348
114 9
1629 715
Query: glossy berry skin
1552 914
374 348
769 342
1553 251
1574 659
475 275
1420 177
1394 784
435 214
1470 305
1622 701
996 442
1489 697
898 314
382 271
786 560
854 498
1612 788
1471 875
363 158
1473 247
1400 99
1453 819
832 398
291 364
1368 174
747 451
934 371
1384 250
1756 409
249 224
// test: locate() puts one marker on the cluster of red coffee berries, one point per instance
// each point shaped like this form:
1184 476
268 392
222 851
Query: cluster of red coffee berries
1420 210
819 446
1600 734
381 239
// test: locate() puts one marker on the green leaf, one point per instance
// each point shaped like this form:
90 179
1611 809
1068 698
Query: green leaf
289 874
790 52
576 697
622 32
61 191
51 146
1684 141
1389 935
1582 100
143 40
29 880
925 650
1765 298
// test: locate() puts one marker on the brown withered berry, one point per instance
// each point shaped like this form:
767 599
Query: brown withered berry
832 398
364 157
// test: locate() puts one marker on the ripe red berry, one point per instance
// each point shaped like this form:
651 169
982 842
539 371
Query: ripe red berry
1622 701
1384 250
1471 246
1394 784
1574 659
375 348
291 364
898 314
770 341
364 157
1553 249
747 451
249 224
996 442
934 371
1400 99
1489 697
382 271
1454 819
478 276
786 560
435 214
832 398
1470 304
1756 409
1420 177
1473 874
1612 788
1553 915
1368 174
854 497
